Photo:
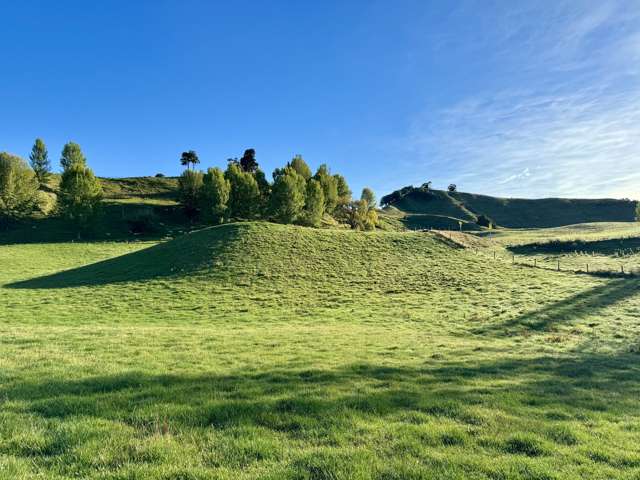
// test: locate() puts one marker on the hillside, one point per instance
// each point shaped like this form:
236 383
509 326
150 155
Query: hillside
505 212
264 351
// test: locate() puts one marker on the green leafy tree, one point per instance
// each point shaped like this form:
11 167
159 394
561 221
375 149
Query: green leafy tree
80 195
189 186
72 155
314 203
264 187
40 164
189 159
301 167
638 211
18 188
369 197
215 195
362 214
244 196
248 161
344 193
329 186
288 197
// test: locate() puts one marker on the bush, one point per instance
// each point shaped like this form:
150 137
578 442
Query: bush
159 175
485 221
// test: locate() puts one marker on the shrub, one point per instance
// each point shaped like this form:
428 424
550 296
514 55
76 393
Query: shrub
159 175
485 221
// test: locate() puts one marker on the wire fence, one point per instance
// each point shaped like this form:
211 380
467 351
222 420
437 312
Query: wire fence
587 264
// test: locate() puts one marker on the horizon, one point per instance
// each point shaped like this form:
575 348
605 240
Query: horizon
514 101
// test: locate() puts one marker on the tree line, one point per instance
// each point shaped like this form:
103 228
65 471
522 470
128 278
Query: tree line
241 192
296 195
23 188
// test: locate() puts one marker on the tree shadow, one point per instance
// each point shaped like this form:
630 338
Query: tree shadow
603 247
568 309
184 255
304 401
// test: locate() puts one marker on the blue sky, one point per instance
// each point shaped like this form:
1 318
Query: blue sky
524 99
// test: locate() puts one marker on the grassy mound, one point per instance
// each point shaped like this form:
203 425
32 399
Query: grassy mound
514 212
262 351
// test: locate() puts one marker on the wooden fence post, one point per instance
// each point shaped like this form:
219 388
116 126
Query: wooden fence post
558 265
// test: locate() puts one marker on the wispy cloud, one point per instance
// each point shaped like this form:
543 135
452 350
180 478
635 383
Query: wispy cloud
571 129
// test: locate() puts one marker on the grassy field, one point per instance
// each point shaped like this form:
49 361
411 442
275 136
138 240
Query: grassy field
596 247
277 352
426 209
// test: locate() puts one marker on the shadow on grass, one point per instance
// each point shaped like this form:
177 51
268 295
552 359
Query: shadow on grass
603 247
312 402
182 256
566 310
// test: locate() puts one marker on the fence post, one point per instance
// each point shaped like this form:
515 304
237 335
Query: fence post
587 268
535 262
494 254
558 265
622 269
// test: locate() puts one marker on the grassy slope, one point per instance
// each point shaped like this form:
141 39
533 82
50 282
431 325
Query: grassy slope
604 247
267 351
514 213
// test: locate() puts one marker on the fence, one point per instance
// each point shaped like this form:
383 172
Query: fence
563 263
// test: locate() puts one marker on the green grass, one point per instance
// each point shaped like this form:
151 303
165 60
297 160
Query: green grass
265 351
598 247
516 212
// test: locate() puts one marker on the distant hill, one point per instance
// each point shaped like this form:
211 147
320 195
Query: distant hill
426 208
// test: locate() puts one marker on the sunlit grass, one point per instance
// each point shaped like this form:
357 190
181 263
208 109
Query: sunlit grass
267 351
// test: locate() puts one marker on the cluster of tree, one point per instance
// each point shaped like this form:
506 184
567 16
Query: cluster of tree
295 195
21 187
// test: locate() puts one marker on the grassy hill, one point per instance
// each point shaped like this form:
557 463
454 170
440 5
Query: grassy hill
510 212
262 351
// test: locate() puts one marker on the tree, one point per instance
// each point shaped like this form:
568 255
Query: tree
189 185
215 195
485 221
71 155
80 195
314 203
452 188
248 161
638 211
329 186
244 196
344 193
40 161
301 167
18 188
369 197
287 196
189 158
264 187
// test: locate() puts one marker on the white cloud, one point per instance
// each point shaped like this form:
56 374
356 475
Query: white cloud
575 133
